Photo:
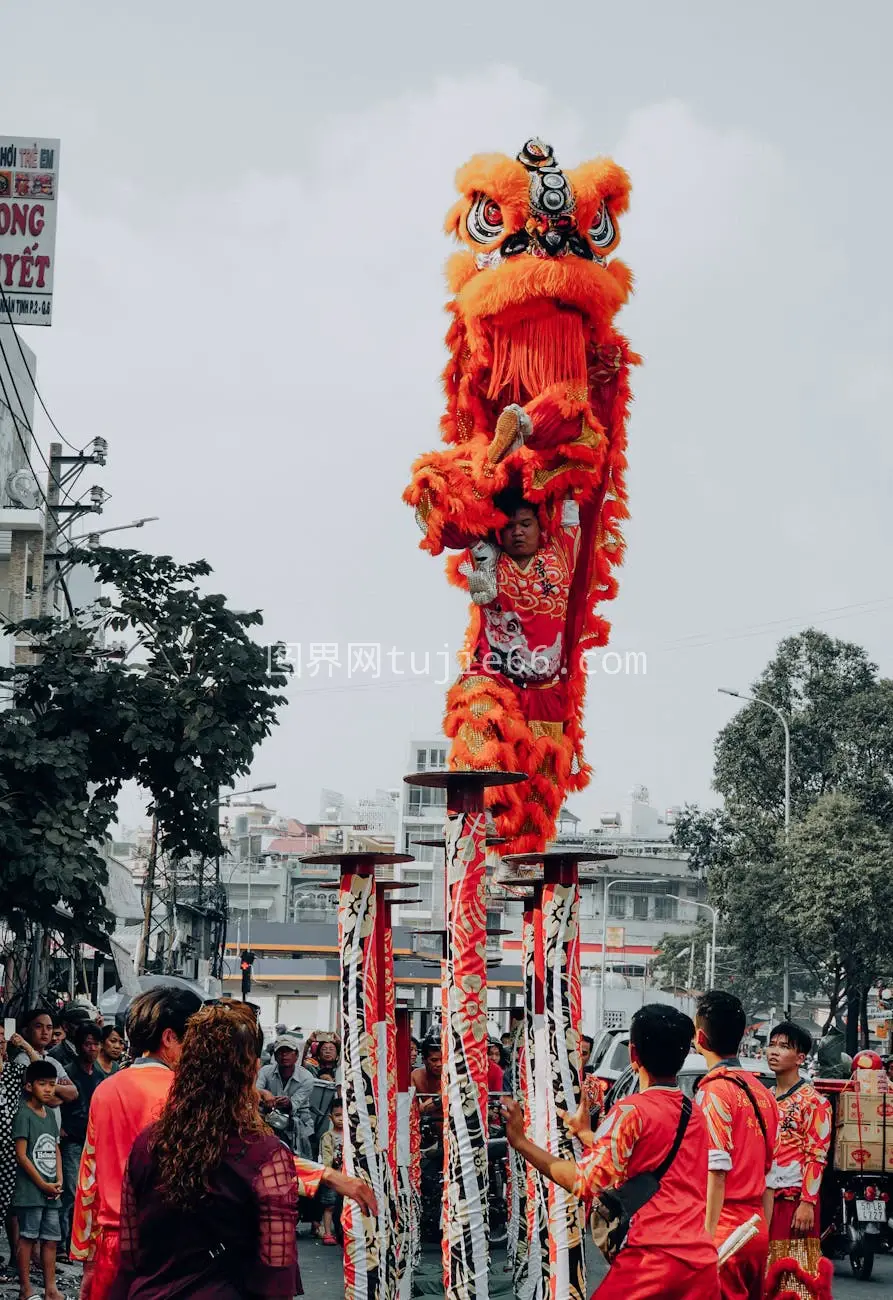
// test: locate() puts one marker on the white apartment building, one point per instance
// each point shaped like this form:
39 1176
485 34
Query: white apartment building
21 507
421 816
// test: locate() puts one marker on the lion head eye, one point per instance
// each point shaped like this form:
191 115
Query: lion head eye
602 232
484 222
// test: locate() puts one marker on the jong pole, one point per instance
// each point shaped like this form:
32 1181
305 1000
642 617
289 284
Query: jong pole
554 1006
368 1240
386 1083
466 1253
408 1186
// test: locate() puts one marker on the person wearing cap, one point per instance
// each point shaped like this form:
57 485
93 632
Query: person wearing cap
285 1086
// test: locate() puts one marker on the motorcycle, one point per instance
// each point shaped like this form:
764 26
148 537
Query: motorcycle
856 1210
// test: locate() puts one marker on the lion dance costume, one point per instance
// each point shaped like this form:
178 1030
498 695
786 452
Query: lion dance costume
537 397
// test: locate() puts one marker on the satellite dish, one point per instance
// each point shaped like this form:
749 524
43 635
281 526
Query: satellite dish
22 489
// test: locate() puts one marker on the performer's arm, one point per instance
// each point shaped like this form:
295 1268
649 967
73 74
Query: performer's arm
816 1141
717 1112
562 1172
605 1162
570 530
84 1223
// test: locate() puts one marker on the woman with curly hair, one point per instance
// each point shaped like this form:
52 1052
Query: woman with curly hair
209 1200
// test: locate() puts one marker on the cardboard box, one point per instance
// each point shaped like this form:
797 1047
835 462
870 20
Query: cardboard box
861 1157
856 1131
871 1109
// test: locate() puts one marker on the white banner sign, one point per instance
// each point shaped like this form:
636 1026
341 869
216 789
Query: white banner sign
29 189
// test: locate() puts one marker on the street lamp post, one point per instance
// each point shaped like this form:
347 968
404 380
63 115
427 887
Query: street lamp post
783 719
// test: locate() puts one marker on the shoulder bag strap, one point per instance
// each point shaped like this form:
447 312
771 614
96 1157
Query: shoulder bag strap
671 1155
739 1083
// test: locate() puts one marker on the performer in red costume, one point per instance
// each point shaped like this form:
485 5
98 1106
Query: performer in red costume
796 1264
742 1121
668 1254
520 579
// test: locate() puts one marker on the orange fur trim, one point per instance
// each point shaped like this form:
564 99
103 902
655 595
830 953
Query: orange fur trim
597 182
498 177
597 291
818 1286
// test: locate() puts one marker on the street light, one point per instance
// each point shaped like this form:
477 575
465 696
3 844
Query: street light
783 719
224 799
119 528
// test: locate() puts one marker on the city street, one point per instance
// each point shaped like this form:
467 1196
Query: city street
323 1275
321 1272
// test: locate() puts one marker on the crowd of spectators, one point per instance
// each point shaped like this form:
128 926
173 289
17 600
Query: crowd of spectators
67 1191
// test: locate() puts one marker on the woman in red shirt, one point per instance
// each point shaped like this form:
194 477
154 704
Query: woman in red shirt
495 1067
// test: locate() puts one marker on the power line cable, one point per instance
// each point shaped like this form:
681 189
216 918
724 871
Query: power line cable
30 374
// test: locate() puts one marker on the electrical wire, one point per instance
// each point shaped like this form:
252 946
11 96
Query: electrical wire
30 375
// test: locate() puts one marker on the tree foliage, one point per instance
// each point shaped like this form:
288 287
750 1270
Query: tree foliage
181 714
841 723
839 871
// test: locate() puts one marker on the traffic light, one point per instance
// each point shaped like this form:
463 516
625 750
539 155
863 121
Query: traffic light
246 963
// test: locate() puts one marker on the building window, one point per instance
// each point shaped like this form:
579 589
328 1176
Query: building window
613 1019
616 905
421 798
640 907
665 909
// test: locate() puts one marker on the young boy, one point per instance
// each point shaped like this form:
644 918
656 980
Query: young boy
668 1254
804 1138
331 1154
38 1179
742 1121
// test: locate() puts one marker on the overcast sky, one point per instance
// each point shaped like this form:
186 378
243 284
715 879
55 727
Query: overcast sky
249 306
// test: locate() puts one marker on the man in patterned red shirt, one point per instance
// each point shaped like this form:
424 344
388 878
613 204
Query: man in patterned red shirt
668 1254
804 1137
742 1121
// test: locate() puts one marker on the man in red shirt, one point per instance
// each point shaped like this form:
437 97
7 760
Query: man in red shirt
804 1138
122 1106
668 1254
742 1121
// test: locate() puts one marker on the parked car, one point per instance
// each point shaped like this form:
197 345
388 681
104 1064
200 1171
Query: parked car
694 1066
614 1059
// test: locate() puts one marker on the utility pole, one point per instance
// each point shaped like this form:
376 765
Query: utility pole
149 896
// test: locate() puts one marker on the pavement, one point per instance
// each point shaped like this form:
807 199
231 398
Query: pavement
323 1275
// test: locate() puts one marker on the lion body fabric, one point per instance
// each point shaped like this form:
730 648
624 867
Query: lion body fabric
537 387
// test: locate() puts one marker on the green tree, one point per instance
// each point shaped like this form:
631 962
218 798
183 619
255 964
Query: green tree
181 713
838 881
841 723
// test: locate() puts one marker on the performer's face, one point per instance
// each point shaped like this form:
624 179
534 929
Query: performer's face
434 1064
521 536
783 1055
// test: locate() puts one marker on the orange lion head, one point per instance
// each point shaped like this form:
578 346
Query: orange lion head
537 236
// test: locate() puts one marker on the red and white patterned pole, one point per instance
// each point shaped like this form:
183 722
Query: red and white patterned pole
553 1014
464 1031
369 1264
